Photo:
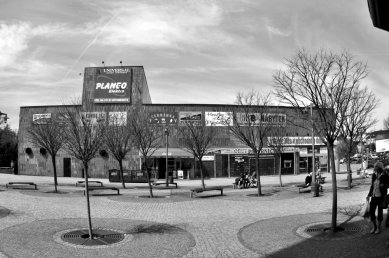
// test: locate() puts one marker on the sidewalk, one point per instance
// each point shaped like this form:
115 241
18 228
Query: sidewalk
238 224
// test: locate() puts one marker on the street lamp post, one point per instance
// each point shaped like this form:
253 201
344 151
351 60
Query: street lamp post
314 187
167 149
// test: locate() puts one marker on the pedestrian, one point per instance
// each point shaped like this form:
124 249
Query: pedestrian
308 179
377 193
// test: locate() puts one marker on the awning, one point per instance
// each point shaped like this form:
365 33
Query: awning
172 152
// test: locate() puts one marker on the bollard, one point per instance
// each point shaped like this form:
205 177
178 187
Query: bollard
315 189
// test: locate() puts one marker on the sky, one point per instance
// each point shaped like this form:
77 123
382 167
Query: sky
193 51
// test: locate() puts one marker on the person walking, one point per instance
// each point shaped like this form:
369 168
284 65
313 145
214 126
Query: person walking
377 193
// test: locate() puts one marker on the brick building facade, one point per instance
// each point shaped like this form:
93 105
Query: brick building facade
126 87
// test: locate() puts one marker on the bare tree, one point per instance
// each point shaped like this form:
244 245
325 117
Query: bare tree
48 134
358 118
276 141
250 124
84 136
118 138
197 139
325 80
386 123
147 138
8 147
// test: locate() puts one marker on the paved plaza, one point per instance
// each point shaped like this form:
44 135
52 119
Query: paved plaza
238 224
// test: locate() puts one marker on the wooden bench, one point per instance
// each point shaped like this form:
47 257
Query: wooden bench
164 183
92 188
11 184
200 190
83 182
306 188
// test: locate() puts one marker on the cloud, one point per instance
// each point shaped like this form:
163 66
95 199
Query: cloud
277 32
15 39
166 24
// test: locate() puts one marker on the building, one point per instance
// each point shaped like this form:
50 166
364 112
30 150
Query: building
124 86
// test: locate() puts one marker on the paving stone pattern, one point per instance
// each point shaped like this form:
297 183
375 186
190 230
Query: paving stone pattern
177 226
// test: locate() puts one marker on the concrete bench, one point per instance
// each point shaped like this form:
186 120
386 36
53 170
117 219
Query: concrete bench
92 188
164 183
200 190
93 182
11 184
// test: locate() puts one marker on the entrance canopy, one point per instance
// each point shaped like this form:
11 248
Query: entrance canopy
172 152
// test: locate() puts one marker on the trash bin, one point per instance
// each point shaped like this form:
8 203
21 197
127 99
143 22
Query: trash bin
170 179
315 189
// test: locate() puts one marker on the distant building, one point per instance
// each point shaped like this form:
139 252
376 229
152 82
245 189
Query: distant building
125 86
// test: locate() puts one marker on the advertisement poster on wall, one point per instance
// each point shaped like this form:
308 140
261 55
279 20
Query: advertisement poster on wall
41 118
189 117
218 118
113 85
94 117
272 119
382 145
163 118
117 118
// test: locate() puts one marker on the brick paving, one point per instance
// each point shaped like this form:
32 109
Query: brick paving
214 226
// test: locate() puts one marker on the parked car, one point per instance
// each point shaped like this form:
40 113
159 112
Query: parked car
373 156
357 157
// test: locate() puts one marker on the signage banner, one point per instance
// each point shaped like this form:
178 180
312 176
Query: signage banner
272 119
117 118
113 85
249 151
41 118
294 141
163 118
208 158
382 145
303 151
189 117
94 117
218 118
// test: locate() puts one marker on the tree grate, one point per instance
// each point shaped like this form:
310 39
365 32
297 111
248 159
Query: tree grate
100 237
339 229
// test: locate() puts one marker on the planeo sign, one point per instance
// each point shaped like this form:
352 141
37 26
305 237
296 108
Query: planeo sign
113 85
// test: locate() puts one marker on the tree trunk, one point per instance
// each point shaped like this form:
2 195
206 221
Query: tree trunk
121 173
334 189
348 171
258 176
279 171
54 172
148 180
201 173
87 201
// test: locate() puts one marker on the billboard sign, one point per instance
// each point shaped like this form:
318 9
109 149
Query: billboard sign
294 141
261 119
113 85
189 117
163 118
218 118
41 118
117 118
382 145
94 117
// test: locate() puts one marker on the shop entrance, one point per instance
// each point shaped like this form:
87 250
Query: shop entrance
67 171
172 167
